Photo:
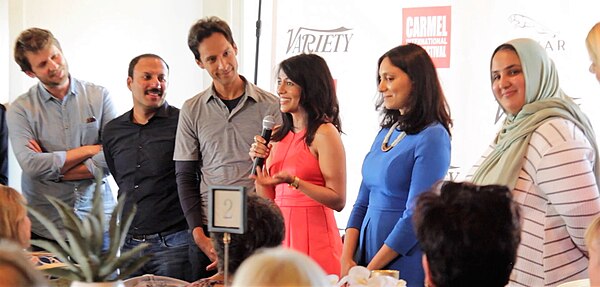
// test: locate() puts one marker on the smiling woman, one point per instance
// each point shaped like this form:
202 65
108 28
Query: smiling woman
305 172
508 81
416 120
546 154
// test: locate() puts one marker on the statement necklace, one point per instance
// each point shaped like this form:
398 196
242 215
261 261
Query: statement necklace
384 146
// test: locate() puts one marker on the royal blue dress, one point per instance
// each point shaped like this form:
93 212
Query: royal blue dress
391 183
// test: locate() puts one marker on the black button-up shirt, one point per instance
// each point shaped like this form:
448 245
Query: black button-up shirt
140 158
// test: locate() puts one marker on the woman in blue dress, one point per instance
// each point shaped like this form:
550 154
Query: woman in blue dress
410 153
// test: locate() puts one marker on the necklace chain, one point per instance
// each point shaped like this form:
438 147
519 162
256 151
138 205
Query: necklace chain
384 146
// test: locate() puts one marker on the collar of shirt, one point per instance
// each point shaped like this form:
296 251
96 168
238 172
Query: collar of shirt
162 112
47 96
248 92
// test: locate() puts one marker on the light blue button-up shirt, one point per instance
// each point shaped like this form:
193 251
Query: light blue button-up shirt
59 126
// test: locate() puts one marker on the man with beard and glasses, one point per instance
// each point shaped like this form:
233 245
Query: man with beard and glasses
138 147
55 130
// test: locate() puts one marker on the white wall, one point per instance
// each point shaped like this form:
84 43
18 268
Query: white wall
99 38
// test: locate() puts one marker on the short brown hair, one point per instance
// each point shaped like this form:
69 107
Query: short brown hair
32 40
205 27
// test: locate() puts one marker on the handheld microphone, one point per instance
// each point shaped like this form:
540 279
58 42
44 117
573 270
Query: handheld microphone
268 123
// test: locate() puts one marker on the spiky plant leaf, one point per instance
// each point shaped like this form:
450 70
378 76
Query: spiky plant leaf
82 253
64 273
97 234
98 202
133 266
56 234
118 228
58 252
119 262
70 219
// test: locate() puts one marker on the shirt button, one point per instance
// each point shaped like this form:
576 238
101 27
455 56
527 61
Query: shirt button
136 186
138 166
140 147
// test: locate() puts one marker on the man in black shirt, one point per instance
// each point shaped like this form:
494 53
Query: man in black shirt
138 147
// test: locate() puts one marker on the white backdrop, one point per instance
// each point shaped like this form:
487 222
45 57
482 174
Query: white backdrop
474 29
100 37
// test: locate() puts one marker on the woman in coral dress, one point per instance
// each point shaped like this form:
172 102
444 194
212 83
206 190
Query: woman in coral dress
305 171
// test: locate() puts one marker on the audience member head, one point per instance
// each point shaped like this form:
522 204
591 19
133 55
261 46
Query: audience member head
203 29
14 222
306 83
409 90
592 241
469 234
33 40
16 270
264 228
592 42
280 267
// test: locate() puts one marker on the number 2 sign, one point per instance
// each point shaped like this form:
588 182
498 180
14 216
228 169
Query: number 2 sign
227 209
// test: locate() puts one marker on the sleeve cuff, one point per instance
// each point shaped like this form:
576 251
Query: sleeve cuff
401 243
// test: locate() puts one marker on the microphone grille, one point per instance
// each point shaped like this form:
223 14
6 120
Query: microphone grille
268 122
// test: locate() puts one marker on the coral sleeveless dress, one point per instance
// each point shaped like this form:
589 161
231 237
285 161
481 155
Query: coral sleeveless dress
310 226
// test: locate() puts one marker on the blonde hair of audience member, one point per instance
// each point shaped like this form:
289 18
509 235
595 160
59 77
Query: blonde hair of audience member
592 241
14 223
592 42
15 269
280 267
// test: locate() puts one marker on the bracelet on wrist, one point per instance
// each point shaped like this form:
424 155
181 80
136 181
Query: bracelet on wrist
295 183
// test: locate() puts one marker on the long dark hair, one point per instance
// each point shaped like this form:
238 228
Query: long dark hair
426 102
317 97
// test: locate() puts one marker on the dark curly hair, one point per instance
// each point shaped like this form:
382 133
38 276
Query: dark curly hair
469 233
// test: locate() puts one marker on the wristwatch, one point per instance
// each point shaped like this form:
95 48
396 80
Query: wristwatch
295 183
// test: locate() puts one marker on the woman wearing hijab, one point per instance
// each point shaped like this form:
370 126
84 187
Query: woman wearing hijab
546 154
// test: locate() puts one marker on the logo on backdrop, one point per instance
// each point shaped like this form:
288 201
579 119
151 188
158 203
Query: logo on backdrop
546 37
308 40
430 28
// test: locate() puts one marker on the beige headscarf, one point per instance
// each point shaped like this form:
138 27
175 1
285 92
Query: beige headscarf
543 100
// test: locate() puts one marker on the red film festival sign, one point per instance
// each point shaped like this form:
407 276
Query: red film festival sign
429 27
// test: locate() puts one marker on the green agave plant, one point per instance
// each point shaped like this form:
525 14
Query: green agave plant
81 252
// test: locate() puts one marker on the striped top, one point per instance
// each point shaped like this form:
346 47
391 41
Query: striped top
558 196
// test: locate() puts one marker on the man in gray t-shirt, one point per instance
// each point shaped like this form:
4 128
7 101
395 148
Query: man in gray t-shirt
215 131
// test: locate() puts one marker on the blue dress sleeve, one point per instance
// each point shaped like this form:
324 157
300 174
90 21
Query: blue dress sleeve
431 163
360 208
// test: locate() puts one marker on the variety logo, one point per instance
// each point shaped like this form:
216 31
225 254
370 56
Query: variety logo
453 173
307 40
430 28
